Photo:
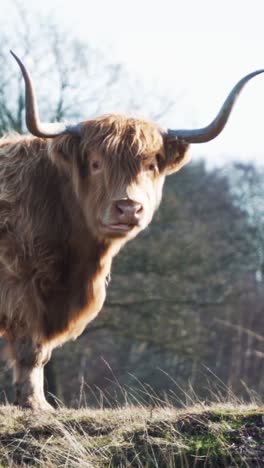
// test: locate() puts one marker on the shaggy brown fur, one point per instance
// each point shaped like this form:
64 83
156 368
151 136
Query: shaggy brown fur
57 201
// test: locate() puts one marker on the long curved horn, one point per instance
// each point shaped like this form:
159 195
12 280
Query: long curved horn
34 125
201 135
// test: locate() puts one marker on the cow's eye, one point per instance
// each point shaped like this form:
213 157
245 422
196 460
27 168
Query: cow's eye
95 165
152 167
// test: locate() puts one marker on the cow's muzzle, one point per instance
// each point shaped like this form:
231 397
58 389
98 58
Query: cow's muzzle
125 215
127 211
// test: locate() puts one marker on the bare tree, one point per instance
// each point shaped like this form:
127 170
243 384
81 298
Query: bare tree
247 182
73 79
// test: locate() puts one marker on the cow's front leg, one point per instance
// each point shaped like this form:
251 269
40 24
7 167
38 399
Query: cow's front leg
29 361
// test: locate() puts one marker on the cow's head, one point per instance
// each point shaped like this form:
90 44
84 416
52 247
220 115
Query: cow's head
118 164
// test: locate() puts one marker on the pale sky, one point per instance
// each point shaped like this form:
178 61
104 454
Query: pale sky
193 51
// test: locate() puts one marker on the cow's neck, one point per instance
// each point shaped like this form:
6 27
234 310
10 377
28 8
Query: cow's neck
93 257
90 268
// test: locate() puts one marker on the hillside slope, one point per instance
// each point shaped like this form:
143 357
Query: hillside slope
200 436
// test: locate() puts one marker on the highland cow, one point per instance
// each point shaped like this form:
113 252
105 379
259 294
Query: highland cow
70 197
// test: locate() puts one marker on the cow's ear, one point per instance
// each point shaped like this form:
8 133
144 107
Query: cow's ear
176 156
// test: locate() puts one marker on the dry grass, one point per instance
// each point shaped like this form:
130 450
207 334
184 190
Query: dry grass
135 436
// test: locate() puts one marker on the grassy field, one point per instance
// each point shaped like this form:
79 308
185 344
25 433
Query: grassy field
199 436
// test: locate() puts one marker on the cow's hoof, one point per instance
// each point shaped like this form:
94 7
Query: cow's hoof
35 405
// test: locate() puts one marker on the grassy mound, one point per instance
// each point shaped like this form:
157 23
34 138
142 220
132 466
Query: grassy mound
202 436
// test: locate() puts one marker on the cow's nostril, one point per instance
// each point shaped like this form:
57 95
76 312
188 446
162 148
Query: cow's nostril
139 208
119 208
128 208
